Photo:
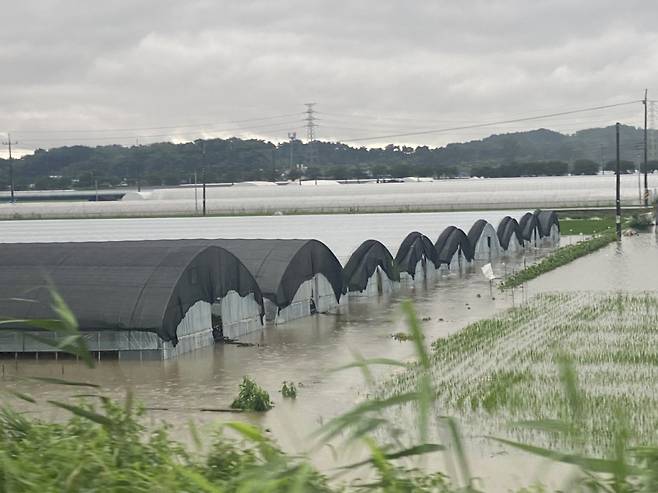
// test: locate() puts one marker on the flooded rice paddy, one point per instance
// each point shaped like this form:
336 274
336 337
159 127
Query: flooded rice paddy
305 351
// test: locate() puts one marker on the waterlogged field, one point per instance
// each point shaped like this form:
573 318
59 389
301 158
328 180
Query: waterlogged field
504 370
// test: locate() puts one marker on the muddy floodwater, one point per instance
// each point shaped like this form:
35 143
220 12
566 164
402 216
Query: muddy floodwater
305 351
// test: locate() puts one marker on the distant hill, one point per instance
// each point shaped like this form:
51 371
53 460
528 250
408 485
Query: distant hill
534 152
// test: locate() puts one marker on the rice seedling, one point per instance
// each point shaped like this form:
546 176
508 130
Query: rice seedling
504 369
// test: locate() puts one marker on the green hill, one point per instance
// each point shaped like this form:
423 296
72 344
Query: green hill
534 152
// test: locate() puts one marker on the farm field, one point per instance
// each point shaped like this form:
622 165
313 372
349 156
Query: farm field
587 226
505 369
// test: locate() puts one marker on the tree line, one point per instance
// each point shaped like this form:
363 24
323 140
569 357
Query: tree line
534 153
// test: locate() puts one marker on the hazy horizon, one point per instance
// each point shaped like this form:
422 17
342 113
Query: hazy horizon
140 72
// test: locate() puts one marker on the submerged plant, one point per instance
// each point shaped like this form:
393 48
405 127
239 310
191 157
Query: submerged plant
252 397
402 336
289 390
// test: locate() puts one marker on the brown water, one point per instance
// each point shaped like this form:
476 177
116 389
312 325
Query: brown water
305 351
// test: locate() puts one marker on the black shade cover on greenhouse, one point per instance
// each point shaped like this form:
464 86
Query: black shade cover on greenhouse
281 266
451 241
413 249
131 285
545 220
528 225
363 263
476 231
509 230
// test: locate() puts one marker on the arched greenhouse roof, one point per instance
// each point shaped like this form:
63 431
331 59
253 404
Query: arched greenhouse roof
545 220
476 231
528 224
412 250
128 285
364 262
450 241
509 230
281 266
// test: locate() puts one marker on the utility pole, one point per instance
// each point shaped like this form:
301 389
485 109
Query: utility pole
646 181
617 186
9 143
196 196
652 127
602 162
203 175
292 136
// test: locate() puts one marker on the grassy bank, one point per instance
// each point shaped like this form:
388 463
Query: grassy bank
560 257
590 226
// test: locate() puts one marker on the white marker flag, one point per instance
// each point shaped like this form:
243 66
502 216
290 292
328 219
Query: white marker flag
488 272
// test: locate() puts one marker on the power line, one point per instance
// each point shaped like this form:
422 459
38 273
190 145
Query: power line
379 118
138 129
263 127
489 124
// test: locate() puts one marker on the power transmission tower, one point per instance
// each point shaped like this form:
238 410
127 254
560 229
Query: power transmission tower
9 143
311 125
310 121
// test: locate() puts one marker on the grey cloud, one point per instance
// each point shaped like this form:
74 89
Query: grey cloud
123 64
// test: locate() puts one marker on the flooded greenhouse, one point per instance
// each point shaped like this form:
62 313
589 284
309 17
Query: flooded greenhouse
371 271
223 288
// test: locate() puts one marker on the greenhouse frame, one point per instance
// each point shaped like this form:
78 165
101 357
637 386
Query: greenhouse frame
484 241
453 248
509 235
417 259
370 271
548 225
297 277
529 229
142 299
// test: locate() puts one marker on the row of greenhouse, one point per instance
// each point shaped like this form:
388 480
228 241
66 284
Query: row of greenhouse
161 298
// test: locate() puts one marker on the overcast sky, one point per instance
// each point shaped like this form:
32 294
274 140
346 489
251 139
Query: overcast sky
92 72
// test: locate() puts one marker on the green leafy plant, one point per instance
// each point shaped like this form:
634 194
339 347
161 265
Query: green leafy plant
252 397
289 390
